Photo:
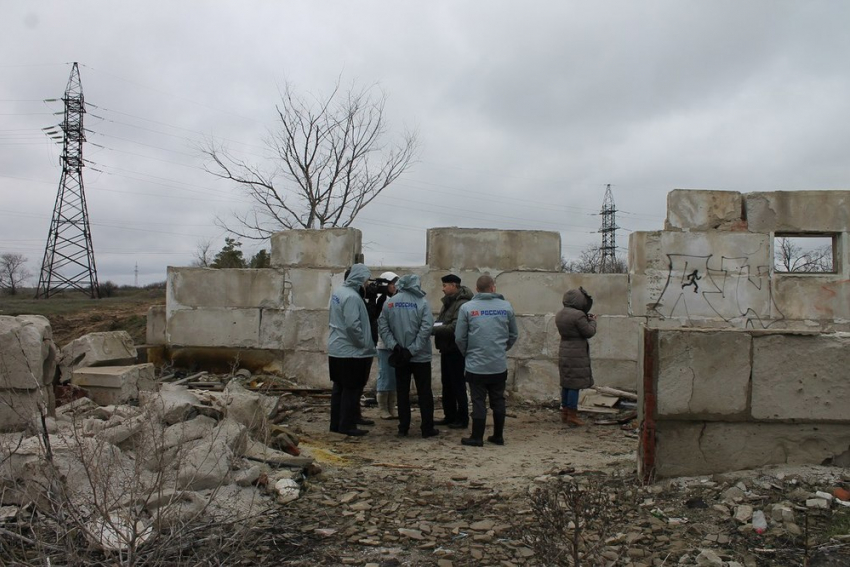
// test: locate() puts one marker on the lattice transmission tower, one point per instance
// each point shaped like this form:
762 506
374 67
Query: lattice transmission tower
608 250
69 256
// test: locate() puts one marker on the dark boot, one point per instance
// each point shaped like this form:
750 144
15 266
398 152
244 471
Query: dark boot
477 437
498 430
565 414
461 422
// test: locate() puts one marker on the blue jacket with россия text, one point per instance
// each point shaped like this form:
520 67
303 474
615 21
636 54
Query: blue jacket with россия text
486 329
348 319
406 320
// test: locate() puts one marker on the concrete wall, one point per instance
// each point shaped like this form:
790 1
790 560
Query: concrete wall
751 380
711 268
283 309
715 400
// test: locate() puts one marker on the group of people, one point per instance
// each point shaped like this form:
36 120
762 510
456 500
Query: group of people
390 318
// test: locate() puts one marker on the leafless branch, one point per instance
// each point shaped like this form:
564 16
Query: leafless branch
330 161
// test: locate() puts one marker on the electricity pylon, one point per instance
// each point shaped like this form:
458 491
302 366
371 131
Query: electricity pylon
69 256
608 250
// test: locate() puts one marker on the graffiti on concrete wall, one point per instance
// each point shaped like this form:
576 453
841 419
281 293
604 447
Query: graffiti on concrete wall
731 289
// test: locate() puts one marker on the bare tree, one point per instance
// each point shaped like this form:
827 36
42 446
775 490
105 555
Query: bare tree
13 272
790 256
590 262
330 161
203 254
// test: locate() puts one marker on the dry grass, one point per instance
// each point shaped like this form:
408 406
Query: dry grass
73 315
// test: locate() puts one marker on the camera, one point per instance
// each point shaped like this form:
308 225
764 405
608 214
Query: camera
371 289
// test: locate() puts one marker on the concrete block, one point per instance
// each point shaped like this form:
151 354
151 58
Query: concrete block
113 385
616 338
699 250
537 380
645 252
801 377
110 348
703 374
214 327
613 373
532 341
24 350
712 275
156 323
811 297
40 322
798 211
541 293
699 448
294 330
311 289
689 209
307 368
494 250
209 287
325 248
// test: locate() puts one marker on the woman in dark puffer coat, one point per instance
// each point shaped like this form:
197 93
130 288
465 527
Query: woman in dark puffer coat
575 325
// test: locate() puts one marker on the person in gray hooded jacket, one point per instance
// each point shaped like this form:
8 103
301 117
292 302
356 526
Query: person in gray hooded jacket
405 327
486 329
350 350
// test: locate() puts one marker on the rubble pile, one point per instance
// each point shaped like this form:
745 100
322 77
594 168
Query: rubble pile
179 458
122 476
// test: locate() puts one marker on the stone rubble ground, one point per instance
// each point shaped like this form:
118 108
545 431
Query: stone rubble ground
382 501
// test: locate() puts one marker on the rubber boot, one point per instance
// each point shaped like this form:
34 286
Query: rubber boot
498 430
476 439
565 414
573 419
383 405
392 401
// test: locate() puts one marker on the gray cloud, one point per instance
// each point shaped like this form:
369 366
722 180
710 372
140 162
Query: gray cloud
525 111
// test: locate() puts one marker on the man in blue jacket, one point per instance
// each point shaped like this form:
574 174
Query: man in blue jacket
405 327
486 329
350 351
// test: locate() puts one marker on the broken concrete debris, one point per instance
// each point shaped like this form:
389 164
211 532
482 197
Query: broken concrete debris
111 348
132 458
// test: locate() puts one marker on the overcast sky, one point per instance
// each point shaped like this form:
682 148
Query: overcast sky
525 111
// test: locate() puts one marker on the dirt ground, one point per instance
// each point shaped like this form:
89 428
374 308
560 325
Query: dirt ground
536 443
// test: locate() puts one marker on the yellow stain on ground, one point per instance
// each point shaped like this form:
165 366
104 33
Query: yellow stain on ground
327 457
332 450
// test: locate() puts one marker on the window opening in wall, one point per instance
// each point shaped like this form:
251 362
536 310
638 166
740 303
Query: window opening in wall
796 254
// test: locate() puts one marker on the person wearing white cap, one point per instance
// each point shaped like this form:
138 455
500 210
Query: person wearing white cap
386 388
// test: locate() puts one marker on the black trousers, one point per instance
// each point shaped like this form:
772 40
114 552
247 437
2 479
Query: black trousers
455 401
421 373
482 386
349 377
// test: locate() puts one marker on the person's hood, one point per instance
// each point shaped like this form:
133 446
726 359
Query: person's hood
462 293
577 299
411 284
358 276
